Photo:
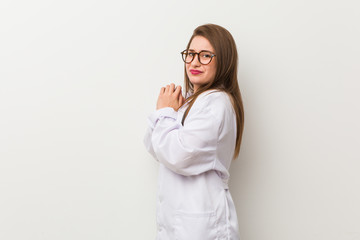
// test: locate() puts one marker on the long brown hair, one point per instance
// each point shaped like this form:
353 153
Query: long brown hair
225 76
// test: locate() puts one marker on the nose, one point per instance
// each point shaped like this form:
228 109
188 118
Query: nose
195 62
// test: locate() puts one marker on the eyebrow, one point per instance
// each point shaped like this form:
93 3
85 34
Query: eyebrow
200 50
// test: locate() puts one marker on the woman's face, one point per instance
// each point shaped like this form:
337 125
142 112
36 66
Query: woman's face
200 74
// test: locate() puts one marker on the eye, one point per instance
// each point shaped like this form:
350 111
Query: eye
190 54
206 55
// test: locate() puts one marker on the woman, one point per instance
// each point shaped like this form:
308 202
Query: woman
195 139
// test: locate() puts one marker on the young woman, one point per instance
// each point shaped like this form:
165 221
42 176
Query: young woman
195 139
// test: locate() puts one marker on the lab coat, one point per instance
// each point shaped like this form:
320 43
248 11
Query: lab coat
193 199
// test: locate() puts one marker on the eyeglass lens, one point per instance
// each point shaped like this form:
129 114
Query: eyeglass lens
203 57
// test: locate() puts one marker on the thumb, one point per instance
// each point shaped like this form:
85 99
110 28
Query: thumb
181 99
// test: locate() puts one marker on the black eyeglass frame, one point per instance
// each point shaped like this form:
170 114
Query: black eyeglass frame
183 54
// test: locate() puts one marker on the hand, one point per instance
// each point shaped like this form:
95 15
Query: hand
170 97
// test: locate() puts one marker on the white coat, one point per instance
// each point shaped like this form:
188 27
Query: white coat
194 202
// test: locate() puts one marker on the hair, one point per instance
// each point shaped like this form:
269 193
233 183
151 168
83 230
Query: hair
225 77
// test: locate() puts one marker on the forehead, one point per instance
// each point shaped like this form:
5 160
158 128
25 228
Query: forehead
200 43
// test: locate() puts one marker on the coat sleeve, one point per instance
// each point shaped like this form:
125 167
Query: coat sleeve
189 149
152 120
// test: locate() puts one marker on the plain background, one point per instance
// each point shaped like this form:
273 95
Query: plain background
78 79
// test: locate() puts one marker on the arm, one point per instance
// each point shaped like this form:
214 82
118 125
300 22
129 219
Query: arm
169 101
152 120
189 149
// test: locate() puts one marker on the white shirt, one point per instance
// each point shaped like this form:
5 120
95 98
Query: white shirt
194 202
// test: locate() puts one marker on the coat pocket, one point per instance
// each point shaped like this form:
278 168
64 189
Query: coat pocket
196 226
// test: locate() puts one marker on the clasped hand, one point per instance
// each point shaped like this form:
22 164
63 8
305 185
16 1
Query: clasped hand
170 97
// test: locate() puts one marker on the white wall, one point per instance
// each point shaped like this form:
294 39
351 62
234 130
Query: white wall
78 78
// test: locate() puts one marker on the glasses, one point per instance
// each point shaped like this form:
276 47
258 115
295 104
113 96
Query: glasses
204 57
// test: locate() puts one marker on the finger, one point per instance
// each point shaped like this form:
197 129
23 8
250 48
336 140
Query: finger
177 91
172 87
162 90
167 88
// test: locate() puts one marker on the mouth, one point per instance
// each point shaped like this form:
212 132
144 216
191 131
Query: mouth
195 72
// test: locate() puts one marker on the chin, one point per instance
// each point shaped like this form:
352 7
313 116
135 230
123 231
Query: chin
197 81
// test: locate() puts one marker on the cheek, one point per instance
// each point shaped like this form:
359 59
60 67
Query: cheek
212 72
187 67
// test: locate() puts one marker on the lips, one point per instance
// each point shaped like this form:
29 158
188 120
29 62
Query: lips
195 72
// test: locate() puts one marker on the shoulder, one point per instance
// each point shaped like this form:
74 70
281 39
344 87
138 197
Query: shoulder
215 101
213 98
